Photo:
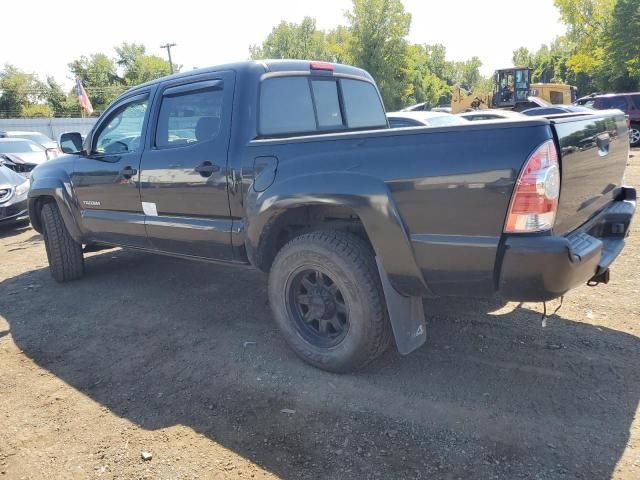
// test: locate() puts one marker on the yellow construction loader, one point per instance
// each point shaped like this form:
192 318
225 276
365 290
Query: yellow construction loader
513 90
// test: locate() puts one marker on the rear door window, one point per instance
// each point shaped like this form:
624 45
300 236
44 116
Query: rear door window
636 101
362 104
190 116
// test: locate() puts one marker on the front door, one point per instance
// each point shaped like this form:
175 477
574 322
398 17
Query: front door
184 169
106 179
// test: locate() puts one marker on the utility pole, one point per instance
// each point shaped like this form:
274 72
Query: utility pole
168 47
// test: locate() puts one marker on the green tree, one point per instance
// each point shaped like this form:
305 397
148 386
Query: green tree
377 44
100 79
128 53
36 110
18 90
61 104
293 40
468 72
622 58
522 57
137 66
146 68
337 45
421 83
588 23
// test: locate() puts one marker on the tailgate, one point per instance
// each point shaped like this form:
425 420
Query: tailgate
594 150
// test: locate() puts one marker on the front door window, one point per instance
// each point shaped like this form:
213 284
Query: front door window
122 131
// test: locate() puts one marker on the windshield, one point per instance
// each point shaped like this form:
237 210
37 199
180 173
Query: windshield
445 120
35 136
19 146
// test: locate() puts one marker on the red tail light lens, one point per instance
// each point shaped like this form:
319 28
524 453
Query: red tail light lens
534 201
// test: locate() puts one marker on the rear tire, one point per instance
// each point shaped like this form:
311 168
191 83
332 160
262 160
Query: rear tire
327 299
634 135
66 261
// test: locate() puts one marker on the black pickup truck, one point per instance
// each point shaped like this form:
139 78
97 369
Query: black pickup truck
290 166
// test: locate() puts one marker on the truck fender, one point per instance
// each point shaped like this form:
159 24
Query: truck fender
60 190
371 200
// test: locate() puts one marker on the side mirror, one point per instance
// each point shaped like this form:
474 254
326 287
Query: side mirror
71 142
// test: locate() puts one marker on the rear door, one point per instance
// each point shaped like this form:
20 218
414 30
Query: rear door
184 170
106 180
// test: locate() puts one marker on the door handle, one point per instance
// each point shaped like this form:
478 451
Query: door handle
128 172
206 169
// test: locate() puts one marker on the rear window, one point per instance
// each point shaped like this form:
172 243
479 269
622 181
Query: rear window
607 103
325 95
296 105
362 105
286 106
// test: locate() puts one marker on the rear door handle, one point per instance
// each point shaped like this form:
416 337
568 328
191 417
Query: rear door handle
206 169
128 172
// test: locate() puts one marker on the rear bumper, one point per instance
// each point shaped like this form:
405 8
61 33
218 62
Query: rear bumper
539 268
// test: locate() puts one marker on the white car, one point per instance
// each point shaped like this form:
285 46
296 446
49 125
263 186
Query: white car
490 114
37 137
417 118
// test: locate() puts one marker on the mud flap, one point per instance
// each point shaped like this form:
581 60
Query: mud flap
406 315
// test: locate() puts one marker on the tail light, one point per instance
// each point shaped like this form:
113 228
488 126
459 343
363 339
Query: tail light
534 201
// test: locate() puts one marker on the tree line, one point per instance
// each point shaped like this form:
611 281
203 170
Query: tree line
104 77
600 52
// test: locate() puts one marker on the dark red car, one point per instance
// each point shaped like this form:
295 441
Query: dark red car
629 103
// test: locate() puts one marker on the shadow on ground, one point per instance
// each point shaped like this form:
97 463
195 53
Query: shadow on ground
161 342
13 229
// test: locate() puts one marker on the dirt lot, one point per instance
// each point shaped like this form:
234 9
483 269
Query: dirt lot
182 360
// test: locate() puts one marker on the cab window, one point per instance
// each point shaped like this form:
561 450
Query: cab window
121 132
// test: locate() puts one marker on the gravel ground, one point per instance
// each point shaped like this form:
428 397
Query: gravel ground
154 367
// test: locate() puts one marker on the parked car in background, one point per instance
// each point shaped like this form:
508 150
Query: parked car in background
22 156
418 107
629 103
490 114
441 109
421 119
556 110
37 137
13 196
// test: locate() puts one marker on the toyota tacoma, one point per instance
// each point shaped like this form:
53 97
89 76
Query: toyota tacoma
290 166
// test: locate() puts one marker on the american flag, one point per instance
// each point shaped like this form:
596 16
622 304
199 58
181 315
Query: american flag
83 98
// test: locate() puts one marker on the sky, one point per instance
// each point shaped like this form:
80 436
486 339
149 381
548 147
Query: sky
55 32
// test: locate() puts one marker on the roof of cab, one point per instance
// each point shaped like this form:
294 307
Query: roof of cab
283 65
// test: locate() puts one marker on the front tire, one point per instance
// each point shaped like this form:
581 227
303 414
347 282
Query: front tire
327 300
66 261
